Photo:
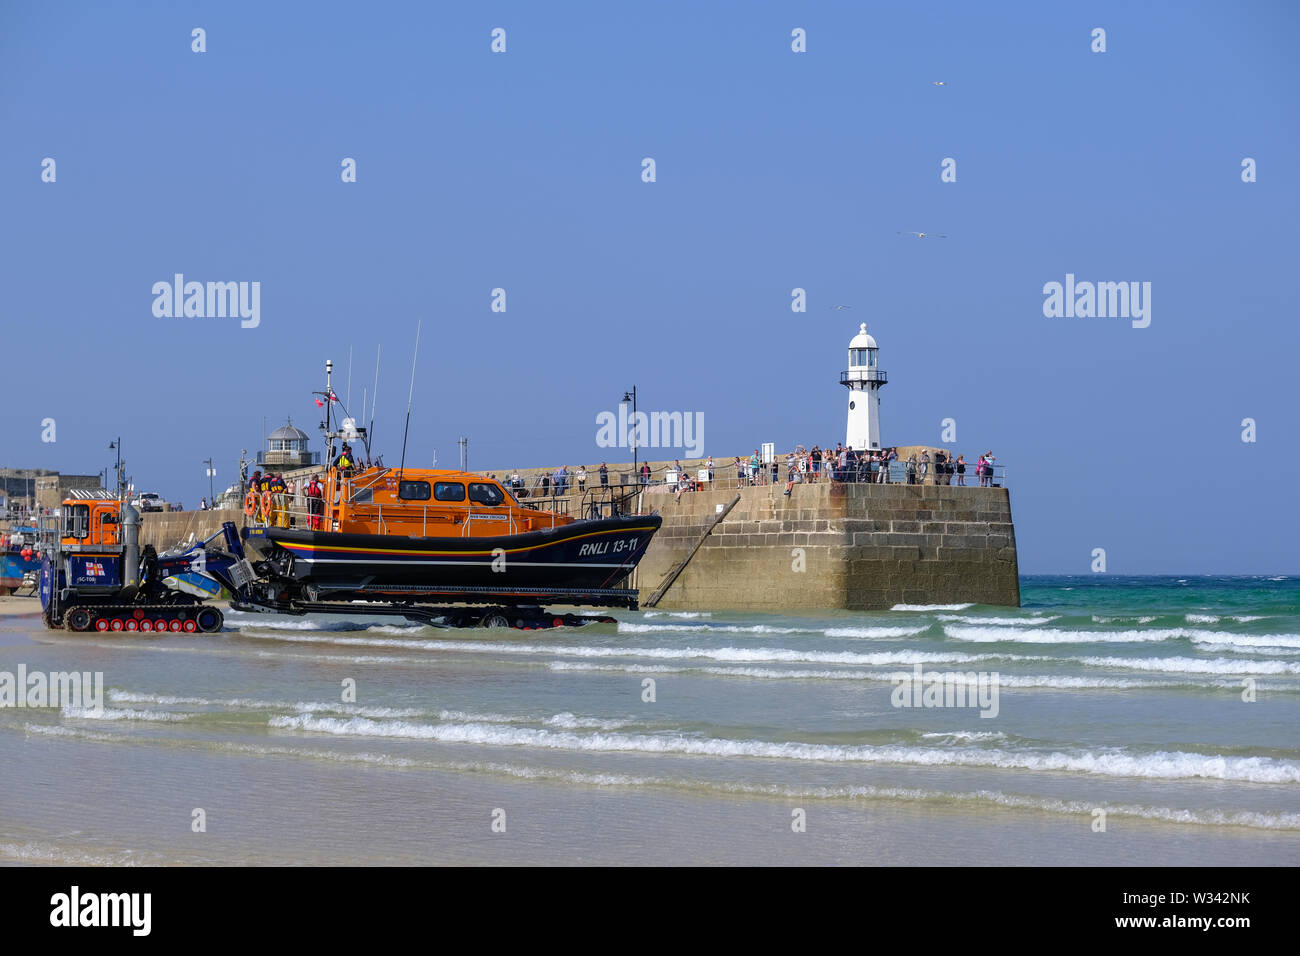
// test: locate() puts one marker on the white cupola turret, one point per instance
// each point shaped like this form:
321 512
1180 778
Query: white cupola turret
864 379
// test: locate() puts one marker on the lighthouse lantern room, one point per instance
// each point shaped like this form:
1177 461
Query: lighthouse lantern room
864 379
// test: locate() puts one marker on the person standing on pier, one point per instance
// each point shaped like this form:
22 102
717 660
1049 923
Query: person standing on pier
604 475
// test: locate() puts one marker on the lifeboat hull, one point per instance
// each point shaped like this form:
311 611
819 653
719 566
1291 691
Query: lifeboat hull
596 553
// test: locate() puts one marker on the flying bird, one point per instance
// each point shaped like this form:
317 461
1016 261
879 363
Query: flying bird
940 82
924 235
841 308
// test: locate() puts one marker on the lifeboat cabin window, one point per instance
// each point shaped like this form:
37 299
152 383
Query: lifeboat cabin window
449 491
486 494
76 521
413 490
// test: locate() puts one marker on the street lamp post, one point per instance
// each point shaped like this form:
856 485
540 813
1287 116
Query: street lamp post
212 501
117 445
636 473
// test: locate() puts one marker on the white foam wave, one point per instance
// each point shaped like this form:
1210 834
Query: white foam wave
63 856
1247 640
240 703
967 735
1062 682
1058 636
731 654
1174 765
683 614
873 631
632 627
1238 649
115 713
1192 665
1007 621
931 607
568 721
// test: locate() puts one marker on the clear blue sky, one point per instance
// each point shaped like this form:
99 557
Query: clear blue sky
775 170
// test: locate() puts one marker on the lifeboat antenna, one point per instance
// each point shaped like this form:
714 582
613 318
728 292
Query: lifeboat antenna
374 400
409 397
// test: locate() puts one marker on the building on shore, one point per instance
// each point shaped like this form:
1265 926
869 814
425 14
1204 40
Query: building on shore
39 489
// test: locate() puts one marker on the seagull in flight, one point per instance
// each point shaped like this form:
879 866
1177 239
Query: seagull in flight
841 308
940 82
924 235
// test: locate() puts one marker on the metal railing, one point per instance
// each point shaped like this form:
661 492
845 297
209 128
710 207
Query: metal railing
610 500
855 376
296 456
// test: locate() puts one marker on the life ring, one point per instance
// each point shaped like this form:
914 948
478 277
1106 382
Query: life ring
266 504
250 503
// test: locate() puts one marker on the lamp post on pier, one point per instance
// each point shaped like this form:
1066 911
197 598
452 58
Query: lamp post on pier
117 445
631 397
212 501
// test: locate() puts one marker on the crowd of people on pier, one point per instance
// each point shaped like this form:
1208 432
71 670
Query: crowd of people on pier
279 502
838 464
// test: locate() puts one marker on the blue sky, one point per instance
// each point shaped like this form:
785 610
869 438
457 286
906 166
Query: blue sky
775 170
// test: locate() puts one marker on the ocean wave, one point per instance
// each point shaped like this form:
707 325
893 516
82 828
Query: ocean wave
1235 818
273 623
1239 649
1006 621
632 627
964 735
1192 665
1246 640
931 607
682 614
990 635
733 654
64 856
1046 635
240 703
114 713
57 730
1165 765
1061 682
568 721
881 632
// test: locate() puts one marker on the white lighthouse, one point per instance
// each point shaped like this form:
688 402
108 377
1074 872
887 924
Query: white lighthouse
864 380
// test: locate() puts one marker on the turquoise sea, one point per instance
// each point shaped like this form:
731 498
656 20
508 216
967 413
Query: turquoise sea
1137 720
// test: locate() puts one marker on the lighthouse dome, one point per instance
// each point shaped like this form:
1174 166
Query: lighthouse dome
862 340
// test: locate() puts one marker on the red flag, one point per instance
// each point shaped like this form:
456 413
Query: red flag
319 403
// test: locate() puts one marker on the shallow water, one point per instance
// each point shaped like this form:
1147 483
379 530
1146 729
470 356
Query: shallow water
1113 694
